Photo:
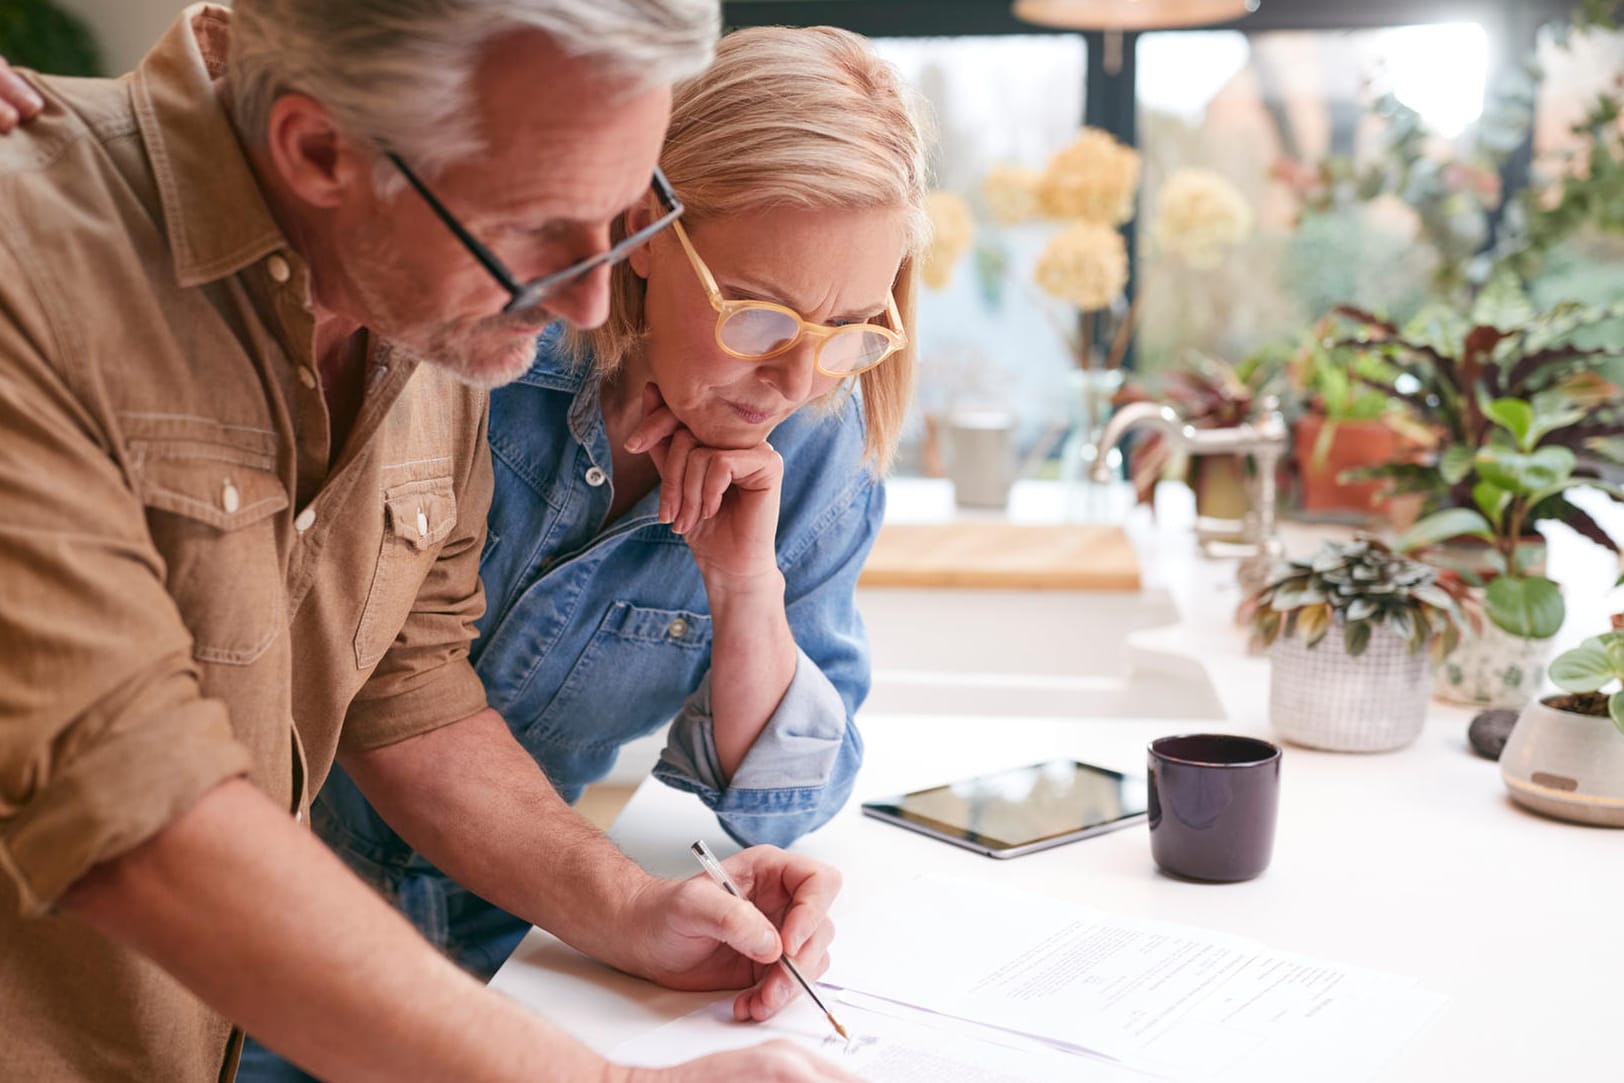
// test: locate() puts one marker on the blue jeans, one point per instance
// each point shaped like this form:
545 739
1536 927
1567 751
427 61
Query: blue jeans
485 936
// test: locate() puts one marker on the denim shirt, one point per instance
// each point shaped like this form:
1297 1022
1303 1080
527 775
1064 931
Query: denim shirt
595 635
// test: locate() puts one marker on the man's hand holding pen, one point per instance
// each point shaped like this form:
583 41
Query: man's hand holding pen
691 935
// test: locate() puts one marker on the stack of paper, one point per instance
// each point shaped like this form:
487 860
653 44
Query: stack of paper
958 982
1164 999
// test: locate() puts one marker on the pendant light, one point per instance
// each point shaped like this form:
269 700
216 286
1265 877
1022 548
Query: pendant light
1131 14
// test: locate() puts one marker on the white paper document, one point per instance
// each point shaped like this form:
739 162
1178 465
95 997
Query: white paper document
891 1045
1171 1000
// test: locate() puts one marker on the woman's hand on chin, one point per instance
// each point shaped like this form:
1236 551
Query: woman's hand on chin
723 501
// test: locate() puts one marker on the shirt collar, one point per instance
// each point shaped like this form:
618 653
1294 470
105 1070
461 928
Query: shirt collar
556 368
216 218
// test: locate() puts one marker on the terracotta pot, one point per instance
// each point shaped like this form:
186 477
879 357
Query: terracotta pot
1353 444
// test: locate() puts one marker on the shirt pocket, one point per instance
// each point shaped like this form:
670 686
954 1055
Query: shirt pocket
212 496
418 516
633 676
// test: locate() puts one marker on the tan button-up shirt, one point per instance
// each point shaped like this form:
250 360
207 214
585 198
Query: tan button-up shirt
188 591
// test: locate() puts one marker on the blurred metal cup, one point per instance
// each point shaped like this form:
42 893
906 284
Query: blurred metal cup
981 457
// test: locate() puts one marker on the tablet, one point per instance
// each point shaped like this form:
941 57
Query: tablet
1018 811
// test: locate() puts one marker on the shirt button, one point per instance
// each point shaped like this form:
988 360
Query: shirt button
305 520
595 477
307 376
278 269
677 628
422 523
230 499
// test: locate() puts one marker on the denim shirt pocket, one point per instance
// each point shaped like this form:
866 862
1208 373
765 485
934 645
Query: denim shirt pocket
631 678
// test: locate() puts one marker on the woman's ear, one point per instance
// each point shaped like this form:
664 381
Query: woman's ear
639 216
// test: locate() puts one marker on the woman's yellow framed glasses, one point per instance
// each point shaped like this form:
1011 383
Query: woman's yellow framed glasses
759 330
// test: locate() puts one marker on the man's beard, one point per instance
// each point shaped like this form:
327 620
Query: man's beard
484 353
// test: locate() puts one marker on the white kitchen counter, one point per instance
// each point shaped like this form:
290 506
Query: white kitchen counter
1413 862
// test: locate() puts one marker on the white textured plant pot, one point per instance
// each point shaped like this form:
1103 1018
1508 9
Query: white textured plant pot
1495 669
1323 698
1566 765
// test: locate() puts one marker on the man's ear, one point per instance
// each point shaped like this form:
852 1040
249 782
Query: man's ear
313 155
638 216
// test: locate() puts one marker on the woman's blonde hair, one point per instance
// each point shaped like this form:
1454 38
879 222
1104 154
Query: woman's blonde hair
807 118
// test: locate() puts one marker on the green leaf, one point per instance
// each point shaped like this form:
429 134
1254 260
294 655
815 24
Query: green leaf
1456 463
1492 499
1613 644
1526 473
1361 609
1538 498
1583 669
1434 595
1439 326
1514 415
1502 304
1442 526
1296 598
1552 410
1615 707
1356 638
1527 606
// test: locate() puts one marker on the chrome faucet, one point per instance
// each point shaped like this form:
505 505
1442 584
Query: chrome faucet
1264 440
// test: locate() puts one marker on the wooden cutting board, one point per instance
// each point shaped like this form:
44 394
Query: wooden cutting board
1002 556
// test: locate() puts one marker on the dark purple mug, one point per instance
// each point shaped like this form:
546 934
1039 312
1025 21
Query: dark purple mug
1214 799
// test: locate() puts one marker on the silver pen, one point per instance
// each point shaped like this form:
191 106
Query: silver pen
725 882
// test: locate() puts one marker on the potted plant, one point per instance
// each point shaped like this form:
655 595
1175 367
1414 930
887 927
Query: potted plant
1564 759
1348 423
1520 413
1349 634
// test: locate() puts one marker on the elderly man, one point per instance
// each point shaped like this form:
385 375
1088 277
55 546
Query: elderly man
245 311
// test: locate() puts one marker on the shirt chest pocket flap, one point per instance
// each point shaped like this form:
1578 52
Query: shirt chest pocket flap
418 516
211 511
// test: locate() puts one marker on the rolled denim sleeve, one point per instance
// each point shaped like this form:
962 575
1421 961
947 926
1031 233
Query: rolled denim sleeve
802 767
793 779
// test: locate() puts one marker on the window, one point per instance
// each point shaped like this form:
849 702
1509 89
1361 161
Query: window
986 340
1589 266
1263 109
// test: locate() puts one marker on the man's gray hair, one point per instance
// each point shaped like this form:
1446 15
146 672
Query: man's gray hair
399 72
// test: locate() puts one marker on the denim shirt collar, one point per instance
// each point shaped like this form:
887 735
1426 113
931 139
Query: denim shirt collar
554 369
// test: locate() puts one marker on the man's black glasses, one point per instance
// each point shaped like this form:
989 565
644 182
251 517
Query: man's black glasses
527 295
